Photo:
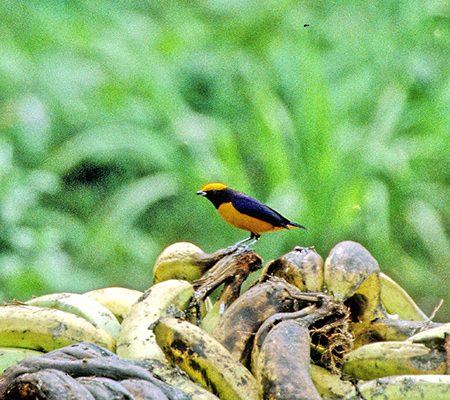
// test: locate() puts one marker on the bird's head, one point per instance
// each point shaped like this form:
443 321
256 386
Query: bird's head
214 192
210 189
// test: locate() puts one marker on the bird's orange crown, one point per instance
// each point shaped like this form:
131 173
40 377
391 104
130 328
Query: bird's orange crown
213 186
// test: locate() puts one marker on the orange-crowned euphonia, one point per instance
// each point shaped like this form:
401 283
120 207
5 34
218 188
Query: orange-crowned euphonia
245 212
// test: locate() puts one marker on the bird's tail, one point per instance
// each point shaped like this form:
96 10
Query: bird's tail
294 225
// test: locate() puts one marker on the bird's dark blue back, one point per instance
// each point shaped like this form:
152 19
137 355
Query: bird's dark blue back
246 204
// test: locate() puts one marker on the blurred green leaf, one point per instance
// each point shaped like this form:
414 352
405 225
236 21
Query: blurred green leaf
113 114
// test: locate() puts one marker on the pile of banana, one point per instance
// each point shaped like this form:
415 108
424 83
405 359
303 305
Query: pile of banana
303 328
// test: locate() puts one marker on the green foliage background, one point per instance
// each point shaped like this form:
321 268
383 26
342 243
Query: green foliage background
114 113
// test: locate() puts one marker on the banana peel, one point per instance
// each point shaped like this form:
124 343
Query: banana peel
301 267
283 363
352 275
397 301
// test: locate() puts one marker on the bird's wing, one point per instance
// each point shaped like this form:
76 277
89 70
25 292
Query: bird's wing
247 205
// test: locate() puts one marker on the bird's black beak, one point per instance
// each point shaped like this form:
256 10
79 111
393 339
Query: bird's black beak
201 193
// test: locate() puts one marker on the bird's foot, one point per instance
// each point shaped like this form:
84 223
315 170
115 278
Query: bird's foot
246 247
233 248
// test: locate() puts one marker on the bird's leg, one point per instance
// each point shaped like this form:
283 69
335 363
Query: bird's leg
233 248
253 236
247 246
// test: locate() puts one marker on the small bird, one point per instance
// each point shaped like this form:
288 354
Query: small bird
245 212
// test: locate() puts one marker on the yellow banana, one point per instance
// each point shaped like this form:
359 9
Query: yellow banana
46 329
12 355
89 309
136 340
398 302
205 360
118 300
380 359
410 387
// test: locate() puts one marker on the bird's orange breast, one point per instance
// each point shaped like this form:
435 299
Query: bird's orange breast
243 221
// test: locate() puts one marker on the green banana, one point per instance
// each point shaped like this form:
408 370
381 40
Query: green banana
411 387
205 360
386 330
214 312
12 355
397 301
329 385
46 329
212 317
136 340
380 359
433 337
89 309
181 260
118 300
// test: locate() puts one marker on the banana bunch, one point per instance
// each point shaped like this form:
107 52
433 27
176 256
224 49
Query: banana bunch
382 320
387 353
150 332
292 334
